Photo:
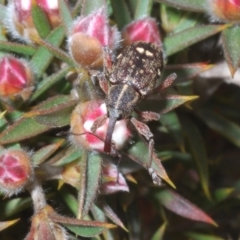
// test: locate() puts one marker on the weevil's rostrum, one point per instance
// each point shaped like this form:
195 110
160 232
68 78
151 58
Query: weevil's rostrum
139 65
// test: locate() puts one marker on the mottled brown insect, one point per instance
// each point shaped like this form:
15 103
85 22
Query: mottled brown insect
139 66
131 78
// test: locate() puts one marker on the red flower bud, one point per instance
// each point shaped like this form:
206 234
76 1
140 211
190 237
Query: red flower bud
82 120
15 171
225 10
20 22
145 29
15 76
87 37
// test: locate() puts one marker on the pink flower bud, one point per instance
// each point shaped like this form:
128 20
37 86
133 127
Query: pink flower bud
82 120
225 10
15 171
15 76
19 19
145 29
87 37
112 181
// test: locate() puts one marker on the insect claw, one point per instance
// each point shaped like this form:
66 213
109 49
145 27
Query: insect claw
156 179
62 134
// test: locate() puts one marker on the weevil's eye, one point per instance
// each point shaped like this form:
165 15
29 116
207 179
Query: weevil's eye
120 117
115 113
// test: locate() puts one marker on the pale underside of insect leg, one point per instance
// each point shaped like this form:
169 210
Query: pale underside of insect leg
147 116
166 83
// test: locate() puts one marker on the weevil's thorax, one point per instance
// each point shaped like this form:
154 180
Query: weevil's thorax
139 65
121 100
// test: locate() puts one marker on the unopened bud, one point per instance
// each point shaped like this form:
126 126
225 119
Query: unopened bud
145 29
15 171
224 10
88 36
15 77
19 19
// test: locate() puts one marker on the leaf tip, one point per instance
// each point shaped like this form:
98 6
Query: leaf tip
168 180
2 114
232 69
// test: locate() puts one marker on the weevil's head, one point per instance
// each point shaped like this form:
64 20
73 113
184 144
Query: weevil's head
121 100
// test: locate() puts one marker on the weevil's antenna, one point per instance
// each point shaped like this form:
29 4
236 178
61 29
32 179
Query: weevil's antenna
113 151
67 133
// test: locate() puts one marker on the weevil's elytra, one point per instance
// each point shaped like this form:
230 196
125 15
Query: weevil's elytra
140 66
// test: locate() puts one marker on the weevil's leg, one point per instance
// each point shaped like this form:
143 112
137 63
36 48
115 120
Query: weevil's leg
107 61
76 86
107 68
147 116
115 153
103 82
119 159
98 123
144 130
166 83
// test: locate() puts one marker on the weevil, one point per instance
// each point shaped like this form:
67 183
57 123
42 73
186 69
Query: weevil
131 78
